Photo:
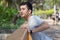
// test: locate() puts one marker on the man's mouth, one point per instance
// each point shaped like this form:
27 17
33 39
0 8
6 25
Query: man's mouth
21 14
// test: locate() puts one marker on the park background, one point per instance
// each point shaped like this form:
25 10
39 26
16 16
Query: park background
9 8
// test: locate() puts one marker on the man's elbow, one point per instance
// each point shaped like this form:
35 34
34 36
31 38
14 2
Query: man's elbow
47 26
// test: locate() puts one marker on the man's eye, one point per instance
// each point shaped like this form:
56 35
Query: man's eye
23 8
19 9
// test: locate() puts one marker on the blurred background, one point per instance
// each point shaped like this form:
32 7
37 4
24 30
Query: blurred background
43 8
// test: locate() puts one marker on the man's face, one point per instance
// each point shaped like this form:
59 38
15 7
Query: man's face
24 11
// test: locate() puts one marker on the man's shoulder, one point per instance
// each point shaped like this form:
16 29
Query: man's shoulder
34 16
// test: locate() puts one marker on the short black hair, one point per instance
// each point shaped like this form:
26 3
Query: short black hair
29 5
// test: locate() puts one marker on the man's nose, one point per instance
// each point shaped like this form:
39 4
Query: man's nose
20 11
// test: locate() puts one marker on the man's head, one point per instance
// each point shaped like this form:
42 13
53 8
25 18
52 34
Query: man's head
25 9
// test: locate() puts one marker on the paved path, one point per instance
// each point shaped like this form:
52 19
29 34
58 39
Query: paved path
54 31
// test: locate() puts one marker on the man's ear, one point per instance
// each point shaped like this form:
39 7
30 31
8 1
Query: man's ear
29 11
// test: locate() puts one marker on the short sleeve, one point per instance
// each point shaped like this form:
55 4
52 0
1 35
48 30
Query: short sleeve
39 20
34 21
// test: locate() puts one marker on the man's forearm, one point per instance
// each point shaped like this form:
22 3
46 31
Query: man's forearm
42 27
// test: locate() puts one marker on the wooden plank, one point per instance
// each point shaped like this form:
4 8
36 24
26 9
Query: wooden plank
19 34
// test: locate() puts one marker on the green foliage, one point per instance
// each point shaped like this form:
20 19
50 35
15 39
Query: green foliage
47 12
6 15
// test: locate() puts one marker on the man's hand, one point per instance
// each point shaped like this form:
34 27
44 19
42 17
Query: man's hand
24 26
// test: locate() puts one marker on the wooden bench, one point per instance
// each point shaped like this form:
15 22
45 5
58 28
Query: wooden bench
20 34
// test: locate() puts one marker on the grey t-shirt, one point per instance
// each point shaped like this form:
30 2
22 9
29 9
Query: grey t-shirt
33 22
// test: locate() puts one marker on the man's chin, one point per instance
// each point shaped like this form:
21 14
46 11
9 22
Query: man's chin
22 16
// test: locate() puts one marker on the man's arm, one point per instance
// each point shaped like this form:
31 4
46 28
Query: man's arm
24 25
42 27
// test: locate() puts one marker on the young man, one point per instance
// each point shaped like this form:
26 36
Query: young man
33 23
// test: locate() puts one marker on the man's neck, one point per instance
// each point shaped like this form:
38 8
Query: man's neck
27 17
